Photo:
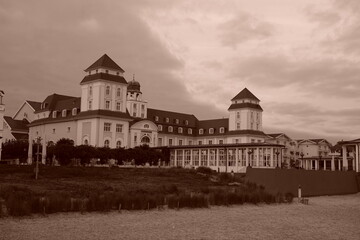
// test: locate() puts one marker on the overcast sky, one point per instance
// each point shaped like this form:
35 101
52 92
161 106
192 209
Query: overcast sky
300 58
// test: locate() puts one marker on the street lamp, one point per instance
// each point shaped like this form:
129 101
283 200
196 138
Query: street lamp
277 158
251 151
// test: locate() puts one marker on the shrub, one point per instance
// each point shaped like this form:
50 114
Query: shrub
289 197
204 170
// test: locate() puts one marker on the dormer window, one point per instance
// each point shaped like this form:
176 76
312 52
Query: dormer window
186 122
167 120
201 131
211 131
160 128
177 121
74 111
222 130
54 114
189 131
156 118
180 130
63 113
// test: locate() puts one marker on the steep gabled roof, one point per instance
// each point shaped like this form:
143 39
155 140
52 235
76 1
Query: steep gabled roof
35 105
105 62
278 135
245 94
16 125
51 101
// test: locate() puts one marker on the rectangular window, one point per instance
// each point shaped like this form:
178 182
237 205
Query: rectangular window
107 127
195 157
180 142
187 157
212 157
118 106
170 142
238 115
221 141
190 142
238 126
204 156
210 142
53 130
179 157
200 143
107 104
68 129
63 113
159 142
90 105
142 107
119 128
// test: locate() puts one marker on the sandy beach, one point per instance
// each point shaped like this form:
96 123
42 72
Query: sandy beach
326 217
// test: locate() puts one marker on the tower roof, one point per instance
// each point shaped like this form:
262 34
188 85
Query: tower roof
245 94
105 62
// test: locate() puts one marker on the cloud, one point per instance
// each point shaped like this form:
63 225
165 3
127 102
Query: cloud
242 28
325 18
90 24
326 77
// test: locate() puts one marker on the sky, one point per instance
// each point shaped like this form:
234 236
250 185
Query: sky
300 58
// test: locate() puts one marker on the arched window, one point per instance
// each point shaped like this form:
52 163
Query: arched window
180 130
146 126
74 111
107 143
118 144
201 131
160 127
222 130
170 129
107 91
211 131
86 142
189 131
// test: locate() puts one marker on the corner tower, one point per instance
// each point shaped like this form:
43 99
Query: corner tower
136 106
104 87
245 112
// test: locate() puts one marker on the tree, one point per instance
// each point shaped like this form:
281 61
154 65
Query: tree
64 151
85 153
14 149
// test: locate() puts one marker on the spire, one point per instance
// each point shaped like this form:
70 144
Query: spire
105 62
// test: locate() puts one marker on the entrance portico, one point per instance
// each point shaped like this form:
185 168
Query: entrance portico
351 155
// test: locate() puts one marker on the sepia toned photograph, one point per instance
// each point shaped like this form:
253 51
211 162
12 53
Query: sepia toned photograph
179 119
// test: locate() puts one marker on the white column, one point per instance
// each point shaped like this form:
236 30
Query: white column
247 157
183 158
191 157
324 164
257 157
30 152
345 162
43 152
357 158
175 158
332 163
272 157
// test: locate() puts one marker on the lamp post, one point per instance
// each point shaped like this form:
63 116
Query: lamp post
302 158
251 151
38 141
277 158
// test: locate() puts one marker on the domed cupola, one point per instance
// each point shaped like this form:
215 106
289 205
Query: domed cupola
133 86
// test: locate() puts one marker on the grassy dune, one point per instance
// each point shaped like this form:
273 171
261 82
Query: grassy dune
64 189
